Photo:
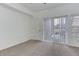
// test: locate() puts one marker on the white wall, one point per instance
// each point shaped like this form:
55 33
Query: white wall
70 9
37 29
15 27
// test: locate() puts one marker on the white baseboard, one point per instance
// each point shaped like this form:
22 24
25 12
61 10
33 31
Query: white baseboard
14 44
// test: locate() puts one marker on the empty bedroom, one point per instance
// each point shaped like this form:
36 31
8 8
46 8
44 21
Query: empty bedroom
39 29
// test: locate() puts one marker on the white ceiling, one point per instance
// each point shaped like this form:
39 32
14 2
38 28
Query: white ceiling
36 7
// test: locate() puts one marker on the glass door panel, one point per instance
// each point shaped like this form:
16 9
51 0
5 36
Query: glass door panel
59 30
55 29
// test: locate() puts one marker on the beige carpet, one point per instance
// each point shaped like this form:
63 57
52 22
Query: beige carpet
38 48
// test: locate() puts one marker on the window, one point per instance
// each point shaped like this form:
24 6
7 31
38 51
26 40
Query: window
56 21
75 27
75 21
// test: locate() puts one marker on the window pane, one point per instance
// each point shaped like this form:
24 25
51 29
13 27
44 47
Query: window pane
75 21
56 21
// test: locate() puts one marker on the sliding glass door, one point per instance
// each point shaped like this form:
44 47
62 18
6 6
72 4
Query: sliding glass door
55 29
59 30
